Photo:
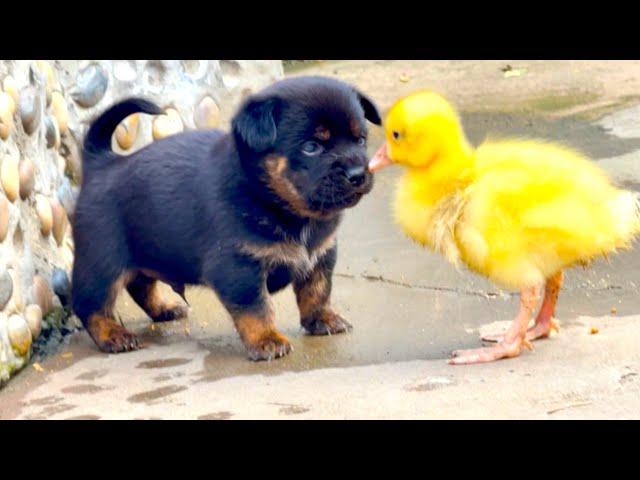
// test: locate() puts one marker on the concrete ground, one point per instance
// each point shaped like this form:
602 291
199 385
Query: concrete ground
409 307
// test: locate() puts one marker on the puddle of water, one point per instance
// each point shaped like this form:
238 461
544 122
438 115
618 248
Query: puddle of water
216 416
292 409
563 100
92 375
82 389
46 400
84 417
151 395
55 409
164 363
623 123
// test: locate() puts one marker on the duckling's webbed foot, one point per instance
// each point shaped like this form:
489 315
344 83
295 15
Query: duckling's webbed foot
512 340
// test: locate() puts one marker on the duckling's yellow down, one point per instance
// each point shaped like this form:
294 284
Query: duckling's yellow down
516 211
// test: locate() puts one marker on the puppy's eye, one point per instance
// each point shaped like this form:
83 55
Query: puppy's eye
312 148
396 134
362 141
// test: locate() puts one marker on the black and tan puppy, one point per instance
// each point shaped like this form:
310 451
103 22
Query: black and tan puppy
246 212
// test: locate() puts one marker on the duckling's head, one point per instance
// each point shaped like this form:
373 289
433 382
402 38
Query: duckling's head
421 129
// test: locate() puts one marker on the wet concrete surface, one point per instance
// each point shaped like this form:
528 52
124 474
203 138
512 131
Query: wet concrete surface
592 139
409 309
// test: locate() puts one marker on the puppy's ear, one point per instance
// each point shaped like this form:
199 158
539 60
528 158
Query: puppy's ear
371 112
255 123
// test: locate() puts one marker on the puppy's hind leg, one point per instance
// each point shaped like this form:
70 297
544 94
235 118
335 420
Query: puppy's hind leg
145 291
94 292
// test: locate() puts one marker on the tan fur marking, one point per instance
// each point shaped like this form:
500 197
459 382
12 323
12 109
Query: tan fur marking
289 253
322 133
152 302
282 186
327 244
313 296
153 274
281 253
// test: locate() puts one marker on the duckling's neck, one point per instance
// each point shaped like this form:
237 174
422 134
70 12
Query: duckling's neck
450 170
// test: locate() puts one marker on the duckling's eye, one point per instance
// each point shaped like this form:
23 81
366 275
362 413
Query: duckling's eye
362 141
396 134
312 148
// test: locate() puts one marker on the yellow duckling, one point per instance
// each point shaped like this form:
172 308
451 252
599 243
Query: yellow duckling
516 211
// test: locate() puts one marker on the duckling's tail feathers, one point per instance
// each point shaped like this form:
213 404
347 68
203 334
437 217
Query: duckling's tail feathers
626 209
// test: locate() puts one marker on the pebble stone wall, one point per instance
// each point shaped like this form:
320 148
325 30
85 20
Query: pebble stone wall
45 109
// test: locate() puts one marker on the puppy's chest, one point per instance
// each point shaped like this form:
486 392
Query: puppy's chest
300 256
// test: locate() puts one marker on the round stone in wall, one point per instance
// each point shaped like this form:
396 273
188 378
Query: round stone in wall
46 70
73 164
5 216
91 85
16 303
67 254
127 131
10 86
43 210
7 107
168 124
6 288
60 111
52 132
33 317
195 69
67 196
29 108
26 172
10 177
41 294
231 72
206 114
125 70
60 221
60 282
19 334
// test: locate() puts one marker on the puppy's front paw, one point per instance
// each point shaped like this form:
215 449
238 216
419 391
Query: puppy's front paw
326 322
111 337
119 341
271 345
171 312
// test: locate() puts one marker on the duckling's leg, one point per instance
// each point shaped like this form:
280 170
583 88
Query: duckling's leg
513 339
544 321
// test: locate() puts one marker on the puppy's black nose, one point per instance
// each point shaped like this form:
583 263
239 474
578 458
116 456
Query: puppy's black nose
356 175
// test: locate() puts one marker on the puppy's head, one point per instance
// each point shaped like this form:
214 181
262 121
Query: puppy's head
304 139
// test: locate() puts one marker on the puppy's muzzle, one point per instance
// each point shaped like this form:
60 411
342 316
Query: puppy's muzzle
356 175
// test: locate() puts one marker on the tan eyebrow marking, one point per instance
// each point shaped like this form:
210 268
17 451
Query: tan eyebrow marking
322 133
355 127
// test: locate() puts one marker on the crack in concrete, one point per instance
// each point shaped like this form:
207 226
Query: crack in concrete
380 278
484 294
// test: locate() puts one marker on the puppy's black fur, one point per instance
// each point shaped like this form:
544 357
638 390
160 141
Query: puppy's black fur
245 212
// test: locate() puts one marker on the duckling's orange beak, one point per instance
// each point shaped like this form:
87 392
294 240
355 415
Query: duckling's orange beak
380 159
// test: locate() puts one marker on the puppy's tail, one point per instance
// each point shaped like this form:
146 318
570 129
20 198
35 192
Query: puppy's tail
98 139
